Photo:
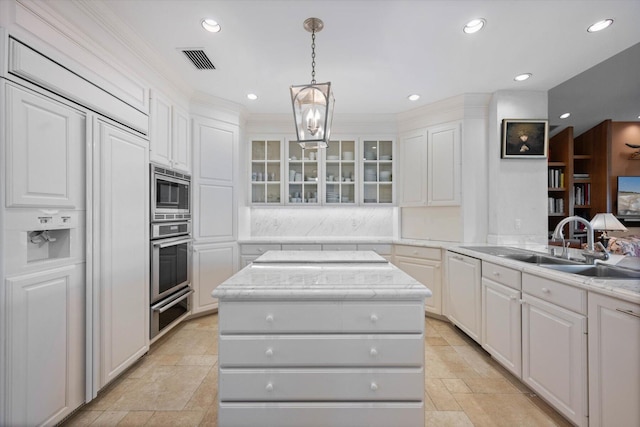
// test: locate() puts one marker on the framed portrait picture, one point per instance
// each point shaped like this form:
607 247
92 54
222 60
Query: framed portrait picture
525 139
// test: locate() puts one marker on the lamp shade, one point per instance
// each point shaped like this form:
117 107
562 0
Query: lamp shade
607 222
313 113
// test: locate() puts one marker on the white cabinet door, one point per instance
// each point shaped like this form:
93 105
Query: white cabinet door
501 325
554 356
464 294
160 150
413 167
181 138
614 362
444 165
212 265
427 272
45 153
46 346
122 182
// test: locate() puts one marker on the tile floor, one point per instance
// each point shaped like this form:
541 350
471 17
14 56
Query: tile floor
175 384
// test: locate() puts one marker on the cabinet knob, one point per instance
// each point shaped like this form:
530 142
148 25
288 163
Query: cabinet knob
269 387
513 297
546 291
269 352
495 273
373 386
269 318
260 250
373 352
373 318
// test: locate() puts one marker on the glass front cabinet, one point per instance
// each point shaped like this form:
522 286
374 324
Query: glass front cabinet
350 171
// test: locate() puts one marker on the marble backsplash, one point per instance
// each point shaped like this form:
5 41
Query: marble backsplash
330 222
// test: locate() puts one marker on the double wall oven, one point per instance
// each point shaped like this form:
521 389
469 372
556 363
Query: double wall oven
170 284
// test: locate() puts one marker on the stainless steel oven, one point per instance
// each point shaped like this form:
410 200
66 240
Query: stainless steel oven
170 195
170 258
170 287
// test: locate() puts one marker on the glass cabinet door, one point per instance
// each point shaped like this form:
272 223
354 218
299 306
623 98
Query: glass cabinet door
341 172
303 167
377 171
266 168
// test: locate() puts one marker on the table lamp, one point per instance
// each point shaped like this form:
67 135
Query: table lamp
606 222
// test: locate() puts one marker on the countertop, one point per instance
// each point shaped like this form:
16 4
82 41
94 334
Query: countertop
321 275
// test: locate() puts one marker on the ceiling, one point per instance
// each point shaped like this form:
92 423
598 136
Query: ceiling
374 52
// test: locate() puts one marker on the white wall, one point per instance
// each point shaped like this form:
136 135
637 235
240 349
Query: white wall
517 187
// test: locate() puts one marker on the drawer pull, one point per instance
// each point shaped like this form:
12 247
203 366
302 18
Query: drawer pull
269 387
628 312
374 318
269 352
546 291
269 318
373 352
373 386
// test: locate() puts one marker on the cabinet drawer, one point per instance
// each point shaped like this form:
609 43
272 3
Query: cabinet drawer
557 293
321 414
253 249
339 247
418 252
320 350
500 274
379 249
302 247
321 384
324 317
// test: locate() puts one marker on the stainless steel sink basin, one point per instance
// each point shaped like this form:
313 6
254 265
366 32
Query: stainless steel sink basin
497 250
601 271
540 259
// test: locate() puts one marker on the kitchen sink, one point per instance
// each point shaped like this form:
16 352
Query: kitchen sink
599 270
540 259
497 250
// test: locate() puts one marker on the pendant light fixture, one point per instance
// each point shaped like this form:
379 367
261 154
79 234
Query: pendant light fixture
313 103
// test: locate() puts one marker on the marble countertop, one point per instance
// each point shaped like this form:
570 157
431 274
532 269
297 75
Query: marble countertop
320 257
625 289
299 279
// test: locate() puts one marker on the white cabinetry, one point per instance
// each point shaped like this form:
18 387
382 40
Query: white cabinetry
46 346
430 160
463 294
614 362
45 151
424 265
121 270
554 345
170 144
501 315
346 363
212 265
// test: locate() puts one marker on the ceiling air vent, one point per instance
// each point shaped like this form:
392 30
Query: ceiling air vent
199 59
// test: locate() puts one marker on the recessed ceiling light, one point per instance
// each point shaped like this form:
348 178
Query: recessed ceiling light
564 115
211 25
413 97
600 25
252 96
474 25
522 77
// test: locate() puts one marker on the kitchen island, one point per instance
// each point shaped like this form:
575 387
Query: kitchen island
310 338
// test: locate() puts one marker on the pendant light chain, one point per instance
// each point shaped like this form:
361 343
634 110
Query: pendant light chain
313 57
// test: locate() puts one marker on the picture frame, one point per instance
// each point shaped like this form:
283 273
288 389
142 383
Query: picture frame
525 139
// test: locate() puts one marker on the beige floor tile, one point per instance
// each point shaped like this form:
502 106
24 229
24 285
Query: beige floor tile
206 393
109 418
436 341
558 419
167 388
490 385
428 403
199 360
135 418
210 417
441 397
480 361
107 397
447 419
506 410
83 418
176 418
455 385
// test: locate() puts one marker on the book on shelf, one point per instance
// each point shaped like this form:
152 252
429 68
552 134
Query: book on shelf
556 178
582 194
556 206
581 176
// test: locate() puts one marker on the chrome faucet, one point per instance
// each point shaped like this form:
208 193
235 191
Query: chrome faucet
589 254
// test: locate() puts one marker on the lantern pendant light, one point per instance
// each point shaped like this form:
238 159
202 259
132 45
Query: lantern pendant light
313 103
